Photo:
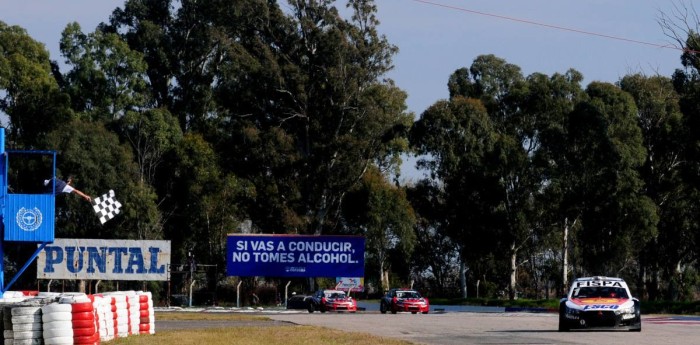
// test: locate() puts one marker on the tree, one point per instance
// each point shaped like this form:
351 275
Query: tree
664 135
107 79
456 136
438 257
606 151
29 94
100 163
387 220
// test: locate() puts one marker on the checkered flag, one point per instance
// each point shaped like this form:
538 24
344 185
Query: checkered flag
106 206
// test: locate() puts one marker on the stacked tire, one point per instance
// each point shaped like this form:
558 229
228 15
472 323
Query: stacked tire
113 310
133 303
147 319
27 328
104 316
58 324
84 320
122 312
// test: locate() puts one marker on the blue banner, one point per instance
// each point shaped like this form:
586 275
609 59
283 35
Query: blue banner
295 256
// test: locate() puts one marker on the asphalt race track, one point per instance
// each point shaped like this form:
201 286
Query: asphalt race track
497 328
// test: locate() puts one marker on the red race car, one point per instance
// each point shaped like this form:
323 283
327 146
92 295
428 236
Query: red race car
331 300
397 300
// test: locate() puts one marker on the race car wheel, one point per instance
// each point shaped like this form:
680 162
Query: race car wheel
414 312
563 326
638 326
425 312
311 307
382 308
393 310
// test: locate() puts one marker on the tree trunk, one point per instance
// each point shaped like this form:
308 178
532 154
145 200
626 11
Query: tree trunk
383 277
565 259
513 272
463 278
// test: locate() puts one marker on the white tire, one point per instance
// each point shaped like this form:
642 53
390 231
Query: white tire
28 335
36 341
56 307
58 325
7 334
73 299
23 327
26 319
20 311
59 341
58 333
58 316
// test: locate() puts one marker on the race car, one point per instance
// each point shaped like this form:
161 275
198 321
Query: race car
331 300
396 300
599 303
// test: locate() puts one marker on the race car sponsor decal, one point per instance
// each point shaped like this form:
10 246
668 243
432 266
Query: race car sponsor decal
598 283
599 300
600 303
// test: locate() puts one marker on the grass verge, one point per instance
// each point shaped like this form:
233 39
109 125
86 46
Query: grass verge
275 335
279 335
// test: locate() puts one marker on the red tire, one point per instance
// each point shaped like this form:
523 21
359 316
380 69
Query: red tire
144 319
144 327
84 324
86 340
143 298
86 315
143 306
83 332
82 307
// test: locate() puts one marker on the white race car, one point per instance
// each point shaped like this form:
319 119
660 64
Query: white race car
599 302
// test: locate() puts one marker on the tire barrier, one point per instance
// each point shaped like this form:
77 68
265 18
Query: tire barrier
146 316
38 318
134 312
27 326
121 310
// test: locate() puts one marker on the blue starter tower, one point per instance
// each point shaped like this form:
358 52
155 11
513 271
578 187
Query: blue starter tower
25 217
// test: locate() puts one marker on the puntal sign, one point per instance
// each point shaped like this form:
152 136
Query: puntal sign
104 259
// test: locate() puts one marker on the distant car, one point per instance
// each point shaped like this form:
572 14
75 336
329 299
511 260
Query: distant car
404 300
297 302
599 303
331 300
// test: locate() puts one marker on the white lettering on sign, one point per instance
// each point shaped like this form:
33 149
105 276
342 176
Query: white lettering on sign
104 259
599 283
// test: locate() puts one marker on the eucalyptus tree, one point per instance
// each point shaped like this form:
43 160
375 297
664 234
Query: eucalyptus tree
686 81
312 114
106 79
456 136
29 93
387 220
204 199
606 151
517 179
437 258
552 99
291 99
108 85
99 163
665 139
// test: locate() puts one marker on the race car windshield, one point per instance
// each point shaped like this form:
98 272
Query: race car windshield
336 295
408 294
599 292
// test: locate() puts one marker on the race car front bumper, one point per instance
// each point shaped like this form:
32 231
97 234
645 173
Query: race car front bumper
602 319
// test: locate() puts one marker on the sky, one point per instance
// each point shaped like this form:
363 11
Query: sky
437 37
